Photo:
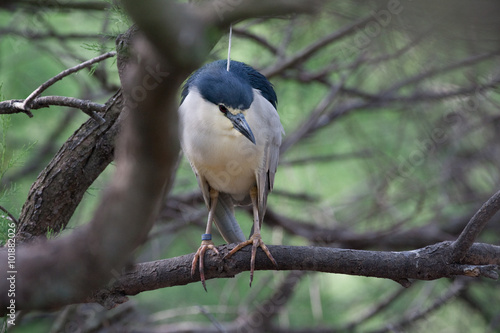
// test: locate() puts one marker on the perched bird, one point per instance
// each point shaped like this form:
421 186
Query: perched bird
231 134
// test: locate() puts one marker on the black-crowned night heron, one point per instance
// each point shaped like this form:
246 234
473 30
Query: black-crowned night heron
231 134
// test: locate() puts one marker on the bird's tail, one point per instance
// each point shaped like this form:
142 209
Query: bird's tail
225 220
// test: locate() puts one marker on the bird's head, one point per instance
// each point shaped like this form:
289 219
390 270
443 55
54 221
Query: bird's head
237 120
229 94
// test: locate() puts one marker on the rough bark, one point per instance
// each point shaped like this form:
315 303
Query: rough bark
428 263
77 164
60 187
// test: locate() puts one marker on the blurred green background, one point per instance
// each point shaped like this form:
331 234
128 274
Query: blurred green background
402 157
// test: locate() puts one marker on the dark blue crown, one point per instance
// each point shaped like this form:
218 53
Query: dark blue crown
233 88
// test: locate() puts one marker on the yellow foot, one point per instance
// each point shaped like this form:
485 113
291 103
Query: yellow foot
255 241
199 256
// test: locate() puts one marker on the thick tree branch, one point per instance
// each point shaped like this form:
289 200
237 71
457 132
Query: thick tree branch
209 20
428 263
74 168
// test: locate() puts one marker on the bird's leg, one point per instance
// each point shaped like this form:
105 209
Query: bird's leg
206 240
255 240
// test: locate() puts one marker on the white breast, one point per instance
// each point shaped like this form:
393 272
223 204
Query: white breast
218 152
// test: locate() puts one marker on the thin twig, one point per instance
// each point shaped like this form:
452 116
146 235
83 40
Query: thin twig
307 52
63 5
305 128
461 64
88 107
327 158
47 149
474 227
376 309
33 34
26 105
269 308
10 215
211 317
260 40
456 288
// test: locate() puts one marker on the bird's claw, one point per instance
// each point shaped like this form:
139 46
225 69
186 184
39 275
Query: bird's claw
256 241
199 257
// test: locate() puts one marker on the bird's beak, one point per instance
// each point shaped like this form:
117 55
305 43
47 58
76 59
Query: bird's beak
240 124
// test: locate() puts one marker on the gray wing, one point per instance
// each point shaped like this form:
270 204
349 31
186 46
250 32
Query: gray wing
265 175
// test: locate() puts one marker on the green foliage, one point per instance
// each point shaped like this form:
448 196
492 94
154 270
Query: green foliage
8 160
95 47
4 226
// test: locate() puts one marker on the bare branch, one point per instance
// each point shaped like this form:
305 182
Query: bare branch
26 104
204 30
261 317
390 238
259 39
34 34
426 263
72 170
440 70
308 126
327 158
474 227
457 287
88 107
374 310
60 5
316 46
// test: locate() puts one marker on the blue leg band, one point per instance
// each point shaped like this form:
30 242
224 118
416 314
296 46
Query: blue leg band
206 237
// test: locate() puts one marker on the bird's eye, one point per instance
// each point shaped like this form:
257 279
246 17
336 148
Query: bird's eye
222 108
